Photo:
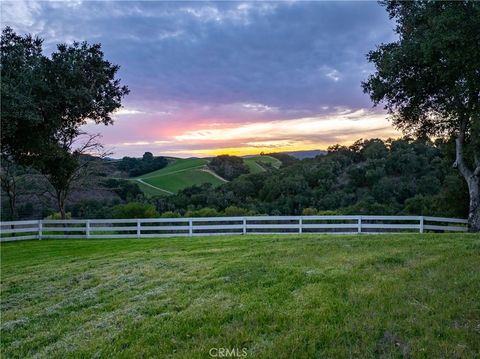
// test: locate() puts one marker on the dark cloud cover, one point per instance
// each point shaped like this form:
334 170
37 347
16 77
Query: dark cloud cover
290 55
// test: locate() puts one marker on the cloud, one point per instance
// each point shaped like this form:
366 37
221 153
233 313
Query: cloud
342 126
126 111
23 14
211 69
338 123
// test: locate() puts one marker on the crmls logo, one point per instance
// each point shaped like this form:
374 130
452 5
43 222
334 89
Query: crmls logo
228 353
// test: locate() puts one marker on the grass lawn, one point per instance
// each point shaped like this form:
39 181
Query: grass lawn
308 296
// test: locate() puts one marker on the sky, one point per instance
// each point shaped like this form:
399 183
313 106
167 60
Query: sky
209 78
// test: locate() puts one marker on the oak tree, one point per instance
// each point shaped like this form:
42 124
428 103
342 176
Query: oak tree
429 80
47 99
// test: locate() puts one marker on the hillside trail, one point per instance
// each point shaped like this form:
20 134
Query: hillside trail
213 174
152 186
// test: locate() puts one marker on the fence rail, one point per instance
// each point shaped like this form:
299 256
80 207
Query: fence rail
204 226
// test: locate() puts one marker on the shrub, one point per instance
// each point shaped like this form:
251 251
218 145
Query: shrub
57 215
232 211
309 211
135 210
170 214
204 212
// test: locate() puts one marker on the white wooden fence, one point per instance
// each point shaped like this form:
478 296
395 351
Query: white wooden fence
172 227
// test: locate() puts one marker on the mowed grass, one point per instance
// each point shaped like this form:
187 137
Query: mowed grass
308 296
179 174
254 163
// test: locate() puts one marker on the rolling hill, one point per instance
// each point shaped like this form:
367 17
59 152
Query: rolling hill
183 173
179 174
257 164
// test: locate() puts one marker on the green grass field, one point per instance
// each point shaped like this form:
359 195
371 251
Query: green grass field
254 163
368 296
180 180
177 165
150 191
181 173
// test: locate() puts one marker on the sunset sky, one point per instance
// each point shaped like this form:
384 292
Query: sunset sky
208 78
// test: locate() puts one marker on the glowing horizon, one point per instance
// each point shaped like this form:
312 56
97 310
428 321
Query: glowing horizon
212 138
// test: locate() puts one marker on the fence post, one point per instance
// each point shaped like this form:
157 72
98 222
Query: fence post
244 225
139 228
300 224
40 229
421 224
87 228
190 227
359 224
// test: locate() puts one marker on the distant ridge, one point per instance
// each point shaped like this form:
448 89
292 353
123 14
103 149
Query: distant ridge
306 154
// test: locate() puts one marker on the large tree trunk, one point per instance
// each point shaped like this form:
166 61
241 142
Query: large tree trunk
472 177
61 204
9 186
474 208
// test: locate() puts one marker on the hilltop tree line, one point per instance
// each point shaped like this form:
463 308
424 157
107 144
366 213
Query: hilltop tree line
228 167
138 166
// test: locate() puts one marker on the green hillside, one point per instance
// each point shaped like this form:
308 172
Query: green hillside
255 163
180 174
183 173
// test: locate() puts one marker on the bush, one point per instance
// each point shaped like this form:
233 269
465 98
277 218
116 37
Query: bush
204 212
309 211
57 215
126 190
233 211
170 214
135 210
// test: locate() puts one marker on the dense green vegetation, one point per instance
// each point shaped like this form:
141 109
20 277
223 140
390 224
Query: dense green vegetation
228 167
370 177
278 297
139 166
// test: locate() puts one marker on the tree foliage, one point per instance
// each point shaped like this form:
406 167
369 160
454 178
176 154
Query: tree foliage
228 167
47 100
429 80
139 166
